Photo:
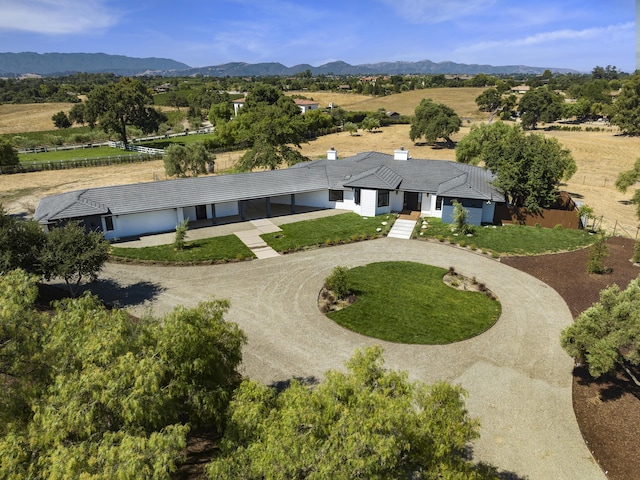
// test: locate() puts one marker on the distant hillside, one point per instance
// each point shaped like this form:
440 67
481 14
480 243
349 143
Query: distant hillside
12 64
238 69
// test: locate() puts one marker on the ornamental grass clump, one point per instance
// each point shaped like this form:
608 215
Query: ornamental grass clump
337 282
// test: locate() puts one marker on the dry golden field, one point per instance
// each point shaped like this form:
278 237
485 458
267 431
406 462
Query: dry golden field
31 117
600 155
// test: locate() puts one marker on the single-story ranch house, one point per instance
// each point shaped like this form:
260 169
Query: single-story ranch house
369 184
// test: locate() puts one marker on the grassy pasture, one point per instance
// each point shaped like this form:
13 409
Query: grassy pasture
462 100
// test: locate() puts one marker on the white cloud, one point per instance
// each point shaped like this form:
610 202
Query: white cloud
437 11
557 35
57 17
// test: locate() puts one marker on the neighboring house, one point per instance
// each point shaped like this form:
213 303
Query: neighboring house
303 105
369 184
520 89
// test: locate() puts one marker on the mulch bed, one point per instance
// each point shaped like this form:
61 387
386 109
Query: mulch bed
607 412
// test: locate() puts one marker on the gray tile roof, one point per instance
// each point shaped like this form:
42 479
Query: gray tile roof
366 170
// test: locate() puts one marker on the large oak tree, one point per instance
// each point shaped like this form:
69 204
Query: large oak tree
432 121
529 167
114 106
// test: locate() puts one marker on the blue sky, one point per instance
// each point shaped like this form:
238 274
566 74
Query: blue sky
578 34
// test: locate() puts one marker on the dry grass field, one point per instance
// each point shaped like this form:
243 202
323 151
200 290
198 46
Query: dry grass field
31 117
600 155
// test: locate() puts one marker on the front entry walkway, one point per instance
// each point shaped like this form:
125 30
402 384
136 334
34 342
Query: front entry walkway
402 229
252 239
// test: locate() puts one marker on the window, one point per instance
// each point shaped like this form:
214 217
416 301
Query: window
108 221
356 196
439 203
336 195
383 198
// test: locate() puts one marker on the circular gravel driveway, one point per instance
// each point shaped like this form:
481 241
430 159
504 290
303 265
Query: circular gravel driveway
517 375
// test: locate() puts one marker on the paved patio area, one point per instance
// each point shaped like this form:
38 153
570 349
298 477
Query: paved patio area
517 375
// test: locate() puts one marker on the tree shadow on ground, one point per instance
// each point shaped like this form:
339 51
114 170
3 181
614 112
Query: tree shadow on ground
488 468
281 385
121 296
611 387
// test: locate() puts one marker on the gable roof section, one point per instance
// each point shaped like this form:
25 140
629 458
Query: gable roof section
380 178
145 197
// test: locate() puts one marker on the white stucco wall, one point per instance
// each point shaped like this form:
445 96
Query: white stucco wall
142 223
368 202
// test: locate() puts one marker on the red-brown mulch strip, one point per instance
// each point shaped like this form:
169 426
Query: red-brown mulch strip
607 412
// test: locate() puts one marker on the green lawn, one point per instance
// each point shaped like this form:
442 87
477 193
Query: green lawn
408 302
78 154
344 228
213 250
510 239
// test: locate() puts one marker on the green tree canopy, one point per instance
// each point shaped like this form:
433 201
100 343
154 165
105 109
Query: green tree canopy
22 243
539 105
126 102
271 122
627 179
77 113
94 393
74 255
626 109
61 120
493 101
607 335
370 123
182 161
369 422
8 155
529 167
432 121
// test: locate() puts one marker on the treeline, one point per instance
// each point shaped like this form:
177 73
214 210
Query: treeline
179 91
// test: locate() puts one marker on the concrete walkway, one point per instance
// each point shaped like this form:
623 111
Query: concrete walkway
253 240
517 375
402 229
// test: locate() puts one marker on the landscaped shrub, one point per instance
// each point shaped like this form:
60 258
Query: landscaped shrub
597 252
337 282
636 252
181 233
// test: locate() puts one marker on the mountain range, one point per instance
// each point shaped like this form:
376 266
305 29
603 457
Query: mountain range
49 64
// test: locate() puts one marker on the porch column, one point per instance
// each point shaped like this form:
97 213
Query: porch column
214 220
180 214
293 203
242 206
268 204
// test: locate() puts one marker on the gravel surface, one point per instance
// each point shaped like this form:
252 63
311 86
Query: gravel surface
518 378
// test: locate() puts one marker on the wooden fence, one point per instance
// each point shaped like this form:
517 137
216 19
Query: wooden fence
564 213
26 167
